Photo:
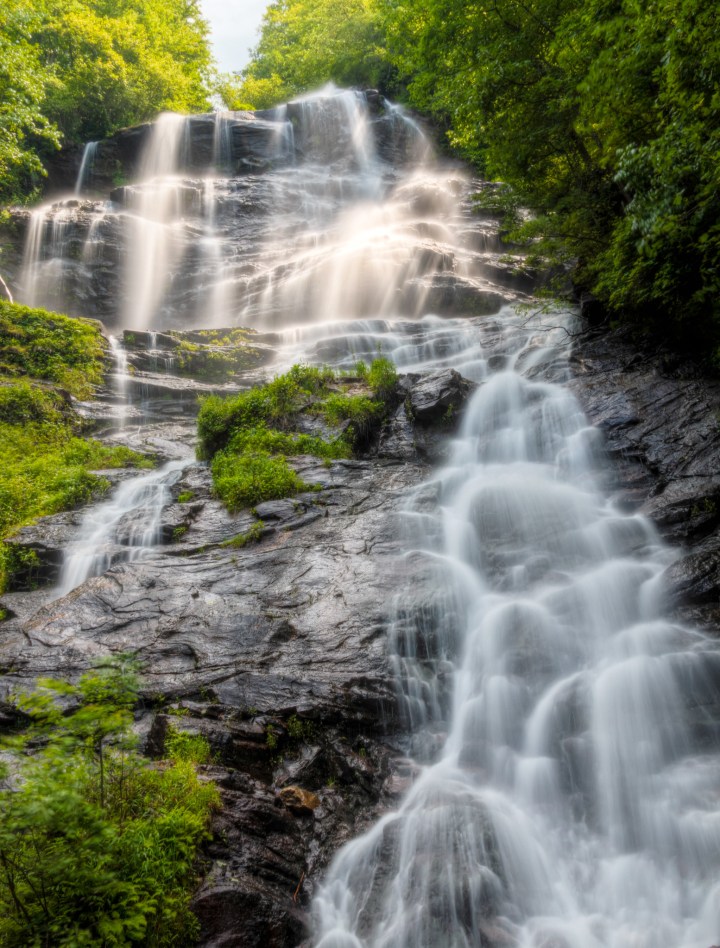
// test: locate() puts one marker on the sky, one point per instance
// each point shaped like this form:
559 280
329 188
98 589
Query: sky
234 29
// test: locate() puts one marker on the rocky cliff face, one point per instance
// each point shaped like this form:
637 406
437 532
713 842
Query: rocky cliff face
277 650
661 424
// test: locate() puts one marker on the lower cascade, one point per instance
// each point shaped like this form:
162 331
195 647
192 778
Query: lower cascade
574 800
558 732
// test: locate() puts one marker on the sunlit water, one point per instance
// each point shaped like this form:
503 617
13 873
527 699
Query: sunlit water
568 780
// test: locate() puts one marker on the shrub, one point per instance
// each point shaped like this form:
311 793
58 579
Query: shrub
43 345
97 846
249 436
243 480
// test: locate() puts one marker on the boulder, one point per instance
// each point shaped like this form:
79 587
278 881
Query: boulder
438 397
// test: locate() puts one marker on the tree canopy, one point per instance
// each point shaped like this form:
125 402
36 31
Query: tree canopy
77 70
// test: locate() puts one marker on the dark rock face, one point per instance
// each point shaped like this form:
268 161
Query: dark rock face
438 396
275 651
662 430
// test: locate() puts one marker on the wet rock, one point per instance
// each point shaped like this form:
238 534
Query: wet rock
438 396
661 429
298 801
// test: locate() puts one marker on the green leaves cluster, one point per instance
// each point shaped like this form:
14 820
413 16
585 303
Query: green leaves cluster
80 69
307 43
97 847
603 115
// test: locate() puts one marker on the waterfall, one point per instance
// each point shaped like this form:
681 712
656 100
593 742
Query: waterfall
123 528
566 788
571 803
87 166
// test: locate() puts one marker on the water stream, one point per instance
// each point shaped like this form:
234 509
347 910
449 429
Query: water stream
567 774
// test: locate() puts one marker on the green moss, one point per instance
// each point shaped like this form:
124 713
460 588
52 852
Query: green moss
185 496
46 467
252 535
43 345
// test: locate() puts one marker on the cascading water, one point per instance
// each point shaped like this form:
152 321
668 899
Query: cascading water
123 528
573 803
566 789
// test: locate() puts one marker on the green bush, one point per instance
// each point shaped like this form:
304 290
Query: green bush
97 846
243 480
261 438
275 404
22 403
248 437
362 412
382 378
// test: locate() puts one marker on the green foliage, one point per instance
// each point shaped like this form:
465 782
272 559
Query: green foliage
185 496
48 346
261 438
82 69
23 80
249 436
382 378
97 847
186 747
362 412
273 404
46 468
604 118
307 43
243 480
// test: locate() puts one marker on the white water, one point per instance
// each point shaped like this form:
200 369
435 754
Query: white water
568 771
87 166
123 528
575 800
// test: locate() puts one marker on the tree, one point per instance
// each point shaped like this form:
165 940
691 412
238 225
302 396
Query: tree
23 81
76 70
306 43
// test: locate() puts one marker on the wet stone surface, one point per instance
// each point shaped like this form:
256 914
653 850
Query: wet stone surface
274 649
661 425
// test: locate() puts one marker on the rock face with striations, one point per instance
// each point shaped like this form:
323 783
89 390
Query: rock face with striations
275 650
661 423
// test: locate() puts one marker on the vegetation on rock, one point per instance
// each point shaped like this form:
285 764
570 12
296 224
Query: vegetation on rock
249 437
98 845
47 467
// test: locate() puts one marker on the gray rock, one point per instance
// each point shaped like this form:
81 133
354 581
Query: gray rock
438 397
